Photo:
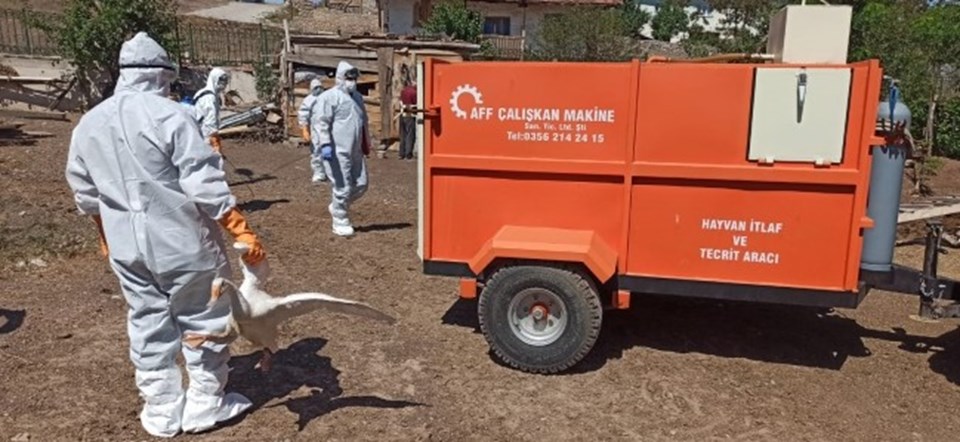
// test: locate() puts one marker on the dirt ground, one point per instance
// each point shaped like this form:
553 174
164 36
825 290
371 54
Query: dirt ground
664 370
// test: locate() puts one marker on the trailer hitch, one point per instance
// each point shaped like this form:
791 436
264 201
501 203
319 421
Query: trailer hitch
938 296
933 304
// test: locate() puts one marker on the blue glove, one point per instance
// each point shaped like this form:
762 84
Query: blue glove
326 152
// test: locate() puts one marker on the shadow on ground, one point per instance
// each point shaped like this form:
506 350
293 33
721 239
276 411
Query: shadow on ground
462 313
11 320
252 180
295 367
383 227
790 335
258 205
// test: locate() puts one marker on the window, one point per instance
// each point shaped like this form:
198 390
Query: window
421 12
496 26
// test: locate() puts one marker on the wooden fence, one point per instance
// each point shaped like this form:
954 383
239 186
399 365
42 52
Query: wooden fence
222 45
200 44
506 47
18 36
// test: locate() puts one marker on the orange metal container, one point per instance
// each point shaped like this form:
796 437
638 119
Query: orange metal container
641 172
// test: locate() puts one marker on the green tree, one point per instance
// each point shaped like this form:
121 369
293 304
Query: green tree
634 18
917 44
669 20
92 31
585 34
453 19
742 28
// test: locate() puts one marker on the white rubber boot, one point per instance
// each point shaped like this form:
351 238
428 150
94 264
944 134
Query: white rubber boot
342 228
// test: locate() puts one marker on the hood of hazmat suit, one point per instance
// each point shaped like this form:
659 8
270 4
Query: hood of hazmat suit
207 102
137 160
306 106
340 120
316 86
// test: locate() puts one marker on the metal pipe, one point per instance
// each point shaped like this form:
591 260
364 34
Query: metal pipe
718 58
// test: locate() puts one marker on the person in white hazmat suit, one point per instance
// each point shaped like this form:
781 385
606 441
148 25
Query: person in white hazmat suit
207 105
340 122
138 165
304 117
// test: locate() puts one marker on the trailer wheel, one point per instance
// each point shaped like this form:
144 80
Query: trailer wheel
540 319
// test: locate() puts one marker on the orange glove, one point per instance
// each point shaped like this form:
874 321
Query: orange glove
104 250
234 222
215 143
305 133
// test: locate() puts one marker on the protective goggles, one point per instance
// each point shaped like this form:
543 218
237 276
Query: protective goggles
352 74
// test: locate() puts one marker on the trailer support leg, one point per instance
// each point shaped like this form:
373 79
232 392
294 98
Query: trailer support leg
468 288
930 289
933 304
621 299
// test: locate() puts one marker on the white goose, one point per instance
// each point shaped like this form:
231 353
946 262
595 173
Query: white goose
256 315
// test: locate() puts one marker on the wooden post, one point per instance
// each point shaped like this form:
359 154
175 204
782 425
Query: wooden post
385 87
287 74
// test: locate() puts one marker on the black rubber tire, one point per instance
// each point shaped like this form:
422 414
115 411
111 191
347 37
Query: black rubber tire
582 304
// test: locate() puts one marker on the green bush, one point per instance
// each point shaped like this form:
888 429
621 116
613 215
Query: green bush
92 31
947 141
267 81
585 34
670 20
453 19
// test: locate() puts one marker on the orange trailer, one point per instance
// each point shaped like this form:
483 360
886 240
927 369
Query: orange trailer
556 190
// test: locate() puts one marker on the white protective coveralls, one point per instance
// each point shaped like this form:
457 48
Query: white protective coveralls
304 117
207 105
340 122
138 162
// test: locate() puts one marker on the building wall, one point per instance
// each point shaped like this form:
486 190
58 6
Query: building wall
400 15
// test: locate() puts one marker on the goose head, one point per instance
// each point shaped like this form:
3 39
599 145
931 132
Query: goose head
254 277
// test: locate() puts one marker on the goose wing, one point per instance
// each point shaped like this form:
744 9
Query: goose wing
297 304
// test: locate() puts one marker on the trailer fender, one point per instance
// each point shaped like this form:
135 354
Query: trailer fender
549 244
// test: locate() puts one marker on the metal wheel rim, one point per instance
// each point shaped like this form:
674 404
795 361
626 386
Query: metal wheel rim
537 316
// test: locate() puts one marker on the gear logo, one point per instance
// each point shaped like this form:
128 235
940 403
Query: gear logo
455 99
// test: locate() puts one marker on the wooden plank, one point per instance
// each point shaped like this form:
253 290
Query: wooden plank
385 88
237 130
287 78
33 115
930 212
414 44
353 53
29 80
331 62
318 39
36 134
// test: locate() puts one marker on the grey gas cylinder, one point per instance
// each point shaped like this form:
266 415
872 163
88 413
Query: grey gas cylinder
886 179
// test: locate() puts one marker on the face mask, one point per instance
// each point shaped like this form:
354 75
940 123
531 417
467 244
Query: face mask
168 76
351 85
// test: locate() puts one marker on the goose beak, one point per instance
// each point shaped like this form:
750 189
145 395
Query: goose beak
194 340
216 289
